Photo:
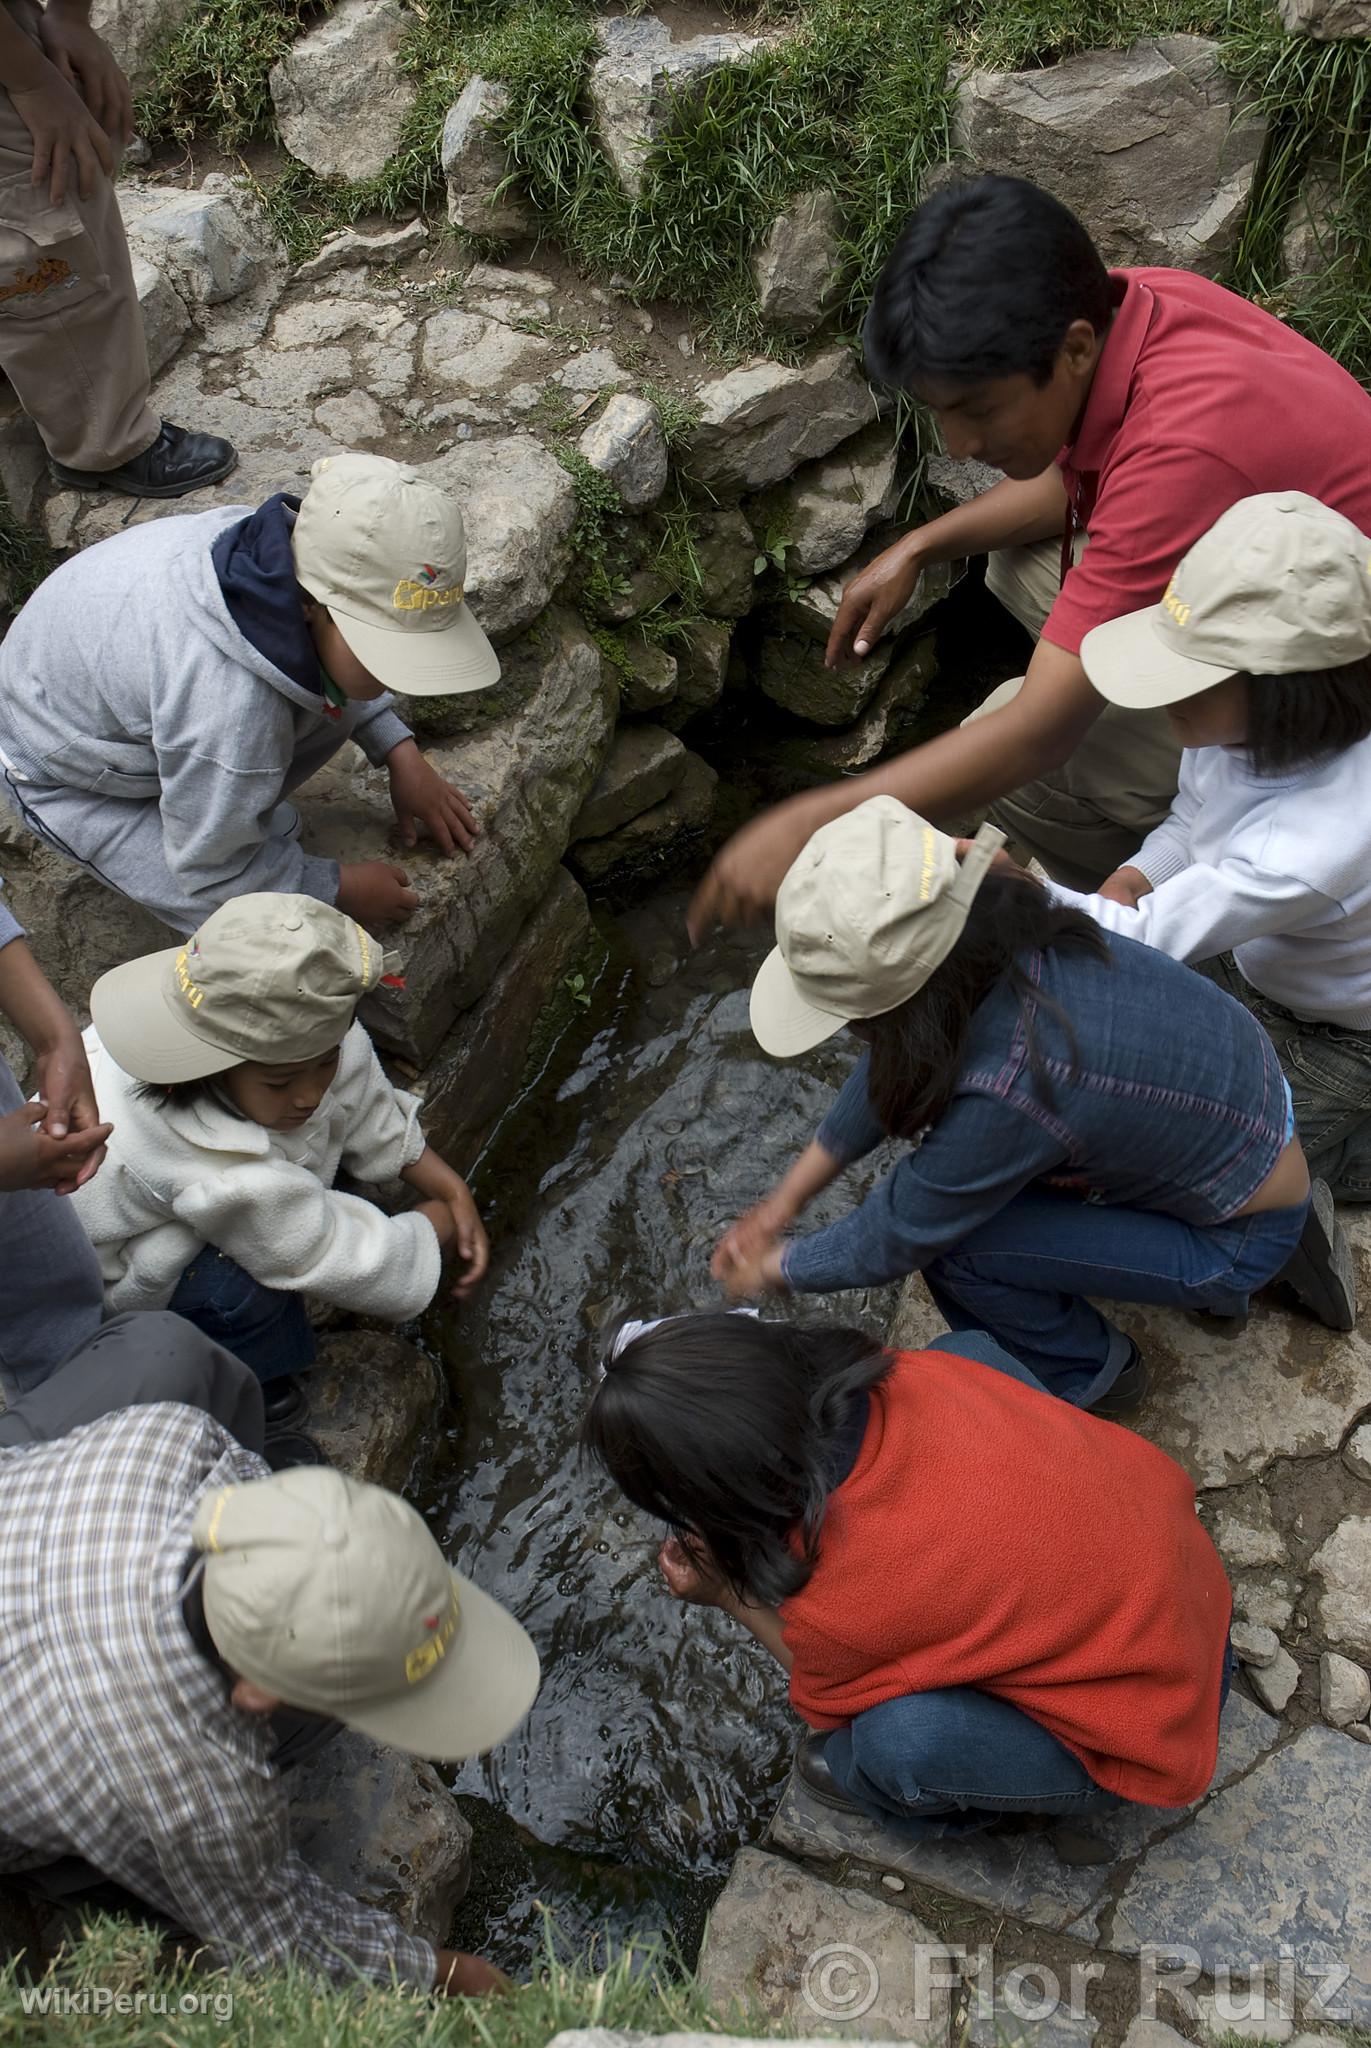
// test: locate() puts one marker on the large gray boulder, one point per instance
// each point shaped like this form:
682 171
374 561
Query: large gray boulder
640 79
519 507
627 445
341 100
758 424
136 30
790 668
638 849
701 670
827 509
798 267
644 764
527 775
480 199
216 248
1151 146
1326 20
484 357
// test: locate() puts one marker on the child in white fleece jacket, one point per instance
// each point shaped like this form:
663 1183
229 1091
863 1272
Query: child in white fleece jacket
238 1085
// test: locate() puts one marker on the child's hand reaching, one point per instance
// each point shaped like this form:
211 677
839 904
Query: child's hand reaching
449 1207
473 1246
423 800
746 1271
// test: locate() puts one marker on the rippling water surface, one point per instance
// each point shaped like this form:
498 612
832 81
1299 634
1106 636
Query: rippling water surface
661 1736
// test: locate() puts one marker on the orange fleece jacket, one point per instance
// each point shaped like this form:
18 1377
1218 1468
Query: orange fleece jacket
993 1536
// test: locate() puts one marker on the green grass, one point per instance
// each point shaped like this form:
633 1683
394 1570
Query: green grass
26 557
288 2009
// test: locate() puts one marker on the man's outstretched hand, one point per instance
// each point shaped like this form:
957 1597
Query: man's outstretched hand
740 884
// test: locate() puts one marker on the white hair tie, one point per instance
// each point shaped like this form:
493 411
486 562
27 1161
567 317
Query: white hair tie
629 1332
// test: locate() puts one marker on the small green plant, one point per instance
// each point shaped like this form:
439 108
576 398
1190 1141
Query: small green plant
575 986
678 414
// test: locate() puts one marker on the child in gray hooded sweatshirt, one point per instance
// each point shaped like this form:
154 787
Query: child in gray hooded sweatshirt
163 693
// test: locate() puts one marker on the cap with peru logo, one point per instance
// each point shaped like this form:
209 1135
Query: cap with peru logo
332 1595
384 550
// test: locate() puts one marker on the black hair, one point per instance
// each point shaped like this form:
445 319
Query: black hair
1293 720
984 282
183 1094
724 1427
917 1049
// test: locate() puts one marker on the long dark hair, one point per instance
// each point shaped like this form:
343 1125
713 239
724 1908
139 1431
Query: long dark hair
917 1050
1294 720
724 1427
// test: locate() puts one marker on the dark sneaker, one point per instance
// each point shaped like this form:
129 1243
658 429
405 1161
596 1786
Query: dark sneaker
1128 1392
815 1778
285 1449
178 461
284 1402
1320 1271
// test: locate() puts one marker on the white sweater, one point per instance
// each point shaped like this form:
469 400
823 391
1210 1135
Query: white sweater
1275 869
178 1178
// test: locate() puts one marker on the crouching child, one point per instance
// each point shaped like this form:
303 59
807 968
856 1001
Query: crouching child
240 1084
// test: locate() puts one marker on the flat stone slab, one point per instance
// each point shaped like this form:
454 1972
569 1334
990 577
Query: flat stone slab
373 1404
1277 1863
819 1958
1021 1875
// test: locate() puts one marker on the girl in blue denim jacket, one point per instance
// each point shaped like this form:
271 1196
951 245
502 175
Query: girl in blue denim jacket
1085 1116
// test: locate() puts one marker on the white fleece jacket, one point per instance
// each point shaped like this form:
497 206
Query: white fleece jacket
178 1178
1275 869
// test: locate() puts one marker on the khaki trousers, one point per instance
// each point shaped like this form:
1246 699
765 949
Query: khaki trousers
71 331
1092 815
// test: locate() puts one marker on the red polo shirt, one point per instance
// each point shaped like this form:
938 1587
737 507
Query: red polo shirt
1200 399
990 1535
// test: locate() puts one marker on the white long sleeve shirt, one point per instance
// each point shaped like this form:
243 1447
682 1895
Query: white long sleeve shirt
1274 869
179 1177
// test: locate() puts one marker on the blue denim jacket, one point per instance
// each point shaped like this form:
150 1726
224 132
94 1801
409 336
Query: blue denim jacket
1176 1103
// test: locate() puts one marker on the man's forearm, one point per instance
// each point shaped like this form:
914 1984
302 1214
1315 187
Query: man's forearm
1009 515
23 67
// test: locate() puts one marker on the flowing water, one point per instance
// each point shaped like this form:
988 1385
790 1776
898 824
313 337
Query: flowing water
661 1736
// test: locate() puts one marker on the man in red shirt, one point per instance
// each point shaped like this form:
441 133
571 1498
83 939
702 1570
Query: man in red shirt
1127 409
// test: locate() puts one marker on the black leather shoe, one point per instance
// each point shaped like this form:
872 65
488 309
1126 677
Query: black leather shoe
817 1780
1128 1392
285 1449
1320 1269
178 461
284 1402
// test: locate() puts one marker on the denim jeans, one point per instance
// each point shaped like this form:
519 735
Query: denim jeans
1024 1276
949 1761
1329 1071
266 1328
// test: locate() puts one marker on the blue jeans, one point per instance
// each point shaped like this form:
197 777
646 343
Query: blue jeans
949 1761
1023 1277
266 1328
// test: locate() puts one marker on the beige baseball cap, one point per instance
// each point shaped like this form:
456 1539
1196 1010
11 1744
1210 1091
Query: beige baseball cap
266 977
1279 584
876 901
333 1595
385 550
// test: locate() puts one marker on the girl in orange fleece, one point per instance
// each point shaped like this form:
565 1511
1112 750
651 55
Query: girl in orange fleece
987 1601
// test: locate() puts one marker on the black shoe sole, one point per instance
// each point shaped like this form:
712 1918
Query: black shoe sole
823 1791
1126 1396
1321 1270
288 1449
95 480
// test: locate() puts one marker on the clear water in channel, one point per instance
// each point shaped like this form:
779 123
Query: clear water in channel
661 1736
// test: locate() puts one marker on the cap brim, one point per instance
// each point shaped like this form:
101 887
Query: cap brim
131 1009
783 1023
1130 664
448 663
478 1694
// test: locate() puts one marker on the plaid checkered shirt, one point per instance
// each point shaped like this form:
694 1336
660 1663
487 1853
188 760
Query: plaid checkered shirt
120 1744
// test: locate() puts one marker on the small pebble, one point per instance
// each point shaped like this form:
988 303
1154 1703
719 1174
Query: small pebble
891 1882
686 344
1344 1691
1257 1646
1275 1684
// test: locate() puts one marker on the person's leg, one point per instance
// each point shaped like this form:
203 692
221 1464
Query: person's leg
1026 1274
957 1754
134 1360
981 1347
51 1294
265 1327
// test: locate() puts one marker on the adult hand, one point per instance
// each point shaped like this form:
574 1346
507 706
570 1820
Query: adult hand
744 1276
375 892
694 1580
872 599
67 140
473 1246
459 1975
1127 886
31 1158
740 884
423 801
65 1087
755 1232
86 61
998 859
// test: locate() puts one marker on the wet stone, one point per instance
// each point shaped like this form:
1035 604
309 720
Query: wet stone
640 845
1021 1875
1279 1861
817 1959
373 1398
644 765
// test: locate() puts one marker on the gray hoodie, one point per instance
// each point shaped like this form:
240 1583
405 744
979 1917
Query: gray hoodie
125 678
